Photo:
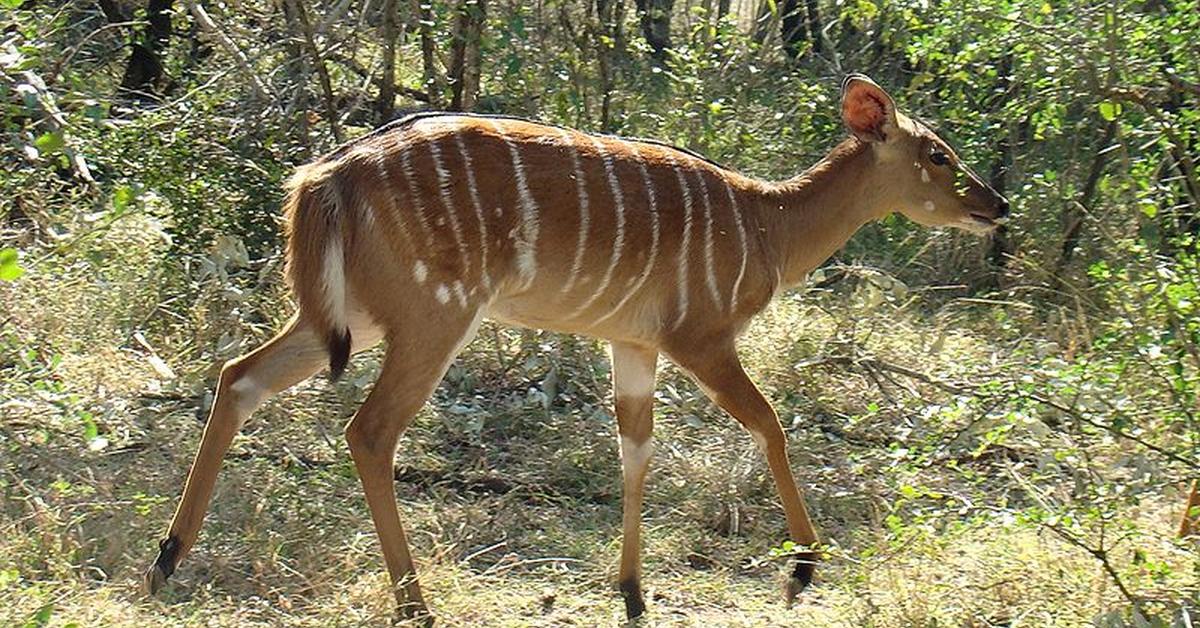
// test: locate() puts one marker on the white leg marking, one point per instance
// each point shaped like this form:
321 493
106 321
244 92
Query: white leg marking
584 217
710 272
759 440
681 273
442 293
527 244
420 271
474 190
653 257
618 238
417 204
248 395
737 216
635 457
929 207
444 184
632 377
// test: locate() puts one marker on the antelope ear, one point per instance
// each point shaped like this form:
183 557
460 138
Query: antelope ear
867 110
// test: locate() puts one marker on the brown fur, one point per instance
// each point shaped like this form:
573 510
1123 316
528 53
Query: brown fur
422 262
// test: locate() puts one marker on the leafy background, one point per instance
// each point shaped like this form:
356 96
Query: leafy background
990 433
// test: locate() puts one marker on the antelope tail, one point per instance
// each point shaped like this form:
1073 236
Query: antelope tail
316 257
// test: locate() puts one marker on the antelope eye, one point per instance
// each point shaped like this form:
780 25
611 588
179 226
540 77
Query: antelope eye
939 158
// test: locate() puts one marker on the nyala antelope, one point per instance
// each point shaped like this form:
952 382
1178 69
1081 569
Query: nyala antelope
416 232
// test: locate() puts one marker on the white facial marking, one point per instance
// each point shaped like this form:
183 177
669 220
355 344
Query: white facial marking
924 175
929 207
636 282
526 245
442 293
420 271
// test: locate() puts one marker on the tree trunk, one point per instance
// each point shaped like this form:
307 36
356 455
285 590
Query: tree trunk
322 71
792 29
814 24
1073 216
433 83
386 104
464 58
655 17
144 70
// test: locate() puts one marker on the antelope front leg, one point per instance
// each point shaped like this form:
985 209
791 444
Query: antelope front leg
719 372
633 396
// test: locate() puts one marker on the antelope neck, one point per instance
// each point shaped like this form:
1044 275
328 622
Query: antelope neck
807 218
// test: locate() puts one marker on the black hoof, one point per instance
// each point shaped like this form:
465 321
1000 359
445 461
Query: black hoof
635 606
802 576
156 576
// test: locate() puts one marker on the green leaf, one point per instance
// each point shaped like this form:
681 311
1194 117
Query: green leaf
10 269
49 142
1110 110
121 198
11 4
40 618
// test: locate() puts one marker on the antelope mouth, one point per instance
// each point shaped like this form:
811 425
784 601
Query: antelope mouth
978 224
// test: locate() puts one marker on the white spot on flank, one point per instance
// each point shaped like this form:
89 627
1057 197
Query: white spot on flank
526 245
636 283
477 206
618 238
584 216
929 207
442 293
924 175
635 456
681 274
420 271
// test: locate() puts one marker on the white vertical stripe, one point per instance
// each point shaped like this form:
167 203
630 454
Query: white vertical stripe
618 237
653 257
474 189
681 273
389 190
584 216
527 244
448 204
334 280
460 293
414 196
708 241
737 217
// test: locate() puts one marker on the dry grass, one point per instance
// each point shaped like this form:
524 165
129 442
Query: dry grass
512 504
